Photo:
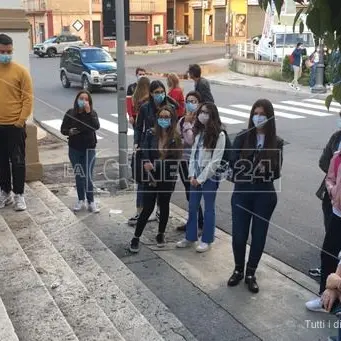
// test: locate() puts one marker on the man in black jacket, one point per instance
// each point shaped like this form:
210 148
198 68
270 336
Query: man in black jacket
140 72
201 84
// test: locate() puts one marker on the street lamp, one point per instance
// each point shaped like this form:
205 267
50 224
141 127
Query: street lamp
319 87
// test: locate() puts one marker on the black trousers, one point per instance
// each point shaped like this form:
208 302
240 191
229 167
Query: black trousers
163 192
327 210
12 152
330 250
183 170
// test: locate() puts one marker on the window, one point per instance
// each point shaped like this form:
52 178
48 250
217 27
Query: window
72 38
292 39
186 10
95 56
74 57
62 39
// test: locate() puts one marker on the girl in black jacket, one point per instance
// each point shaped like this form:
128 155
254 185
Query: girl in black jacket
256 161
162 150
80 124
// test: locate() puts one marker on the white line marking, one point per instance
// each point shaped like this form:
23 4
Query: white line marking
56 124
277 113
303 111
112 127
233 112
311 106
320 101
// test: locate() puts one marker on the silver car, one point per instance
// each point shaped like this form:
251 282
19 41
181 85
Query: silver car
180 37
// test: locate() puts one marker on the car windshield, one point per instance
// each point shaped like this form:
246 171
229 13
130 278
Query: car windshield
50 40
96 56
292 39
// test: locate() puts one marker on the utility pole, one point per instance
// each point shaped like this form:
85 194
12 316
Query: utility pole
319 87
121 94
227 34
91 24
174 23
203 21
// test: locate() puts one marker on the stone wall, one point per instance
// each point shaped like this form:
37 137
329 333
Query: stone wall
257 68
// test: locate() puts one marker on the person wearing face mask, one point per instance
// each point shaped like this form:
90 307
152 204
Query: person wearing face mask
257 157
80 124
208 149
162 150
185 129
16 103
176 93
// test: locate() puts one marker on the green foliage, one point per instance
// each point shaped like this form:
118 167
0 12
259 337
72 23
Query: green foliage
287 71
328 101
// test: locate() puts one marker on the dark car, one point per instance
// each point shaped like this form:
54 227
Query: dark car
92 67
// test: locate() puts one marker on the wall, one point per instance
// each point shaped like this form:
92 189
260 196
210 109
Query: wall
238 29
255 67
159 20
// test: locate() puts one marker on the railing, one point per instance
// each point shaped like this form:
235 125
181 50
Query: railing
247 48
142 6
34 5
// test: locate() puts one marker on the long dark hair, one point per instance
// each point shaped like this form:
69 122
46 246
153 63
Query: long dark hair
269 128
195 94
172 130
212 128
75 104
153 86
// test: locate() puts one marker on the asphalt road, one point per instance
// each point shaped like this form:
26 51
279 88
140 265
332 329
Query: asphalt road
296 231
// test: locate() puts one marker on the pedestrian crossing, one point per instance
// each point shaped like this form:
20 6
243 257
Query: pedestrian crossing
234 114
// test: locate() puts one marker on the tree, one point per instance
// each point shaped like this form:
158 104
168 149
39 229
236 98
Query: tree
324 20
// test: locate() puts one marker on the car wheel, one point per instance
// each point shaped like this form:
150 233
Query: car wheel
51 52
65 81
86 84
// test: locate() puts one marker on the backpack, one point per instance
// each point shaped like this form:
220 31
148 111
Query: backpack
291 59
224 170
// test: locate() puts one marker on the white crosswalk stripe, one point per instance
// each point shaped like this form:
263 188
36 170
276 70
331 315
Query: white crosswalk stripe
303 111
233 112
320 101
112 127
312 106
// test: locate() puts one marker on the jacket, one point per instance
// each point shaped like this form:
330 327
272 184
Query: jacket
131 89
327 154
203 87
251 170
297 53
165 168
333 181
87 124
178 95
210 160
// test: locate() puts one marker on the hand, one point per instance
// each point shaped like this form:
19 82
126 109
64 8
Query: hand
136 147
194 182
18 124
131 120
73 131
328 298
148 166
190 117
87 107
333 281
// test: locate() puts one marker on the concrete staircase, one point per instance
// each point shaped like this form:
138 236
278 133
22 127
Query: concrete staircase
59 282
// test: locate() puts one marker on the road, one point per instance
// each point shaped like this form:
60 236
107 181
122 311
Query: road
296 231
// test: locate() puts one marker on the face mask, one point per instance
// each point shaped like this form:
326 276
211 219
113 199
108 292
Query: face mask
140 76
159 98
259 120
81 103
164 122
203 118
338 123
191 107
5 58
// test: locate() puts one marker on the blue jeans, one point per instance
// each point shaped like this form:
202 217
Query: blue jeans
209 191
257 205
83 162
312 79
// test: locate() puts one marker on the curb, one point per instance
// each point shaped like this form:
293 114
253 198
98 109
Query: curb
53 133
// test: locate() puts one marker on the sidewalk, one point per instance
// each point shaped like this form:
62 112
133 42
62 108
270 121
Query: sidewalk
150 49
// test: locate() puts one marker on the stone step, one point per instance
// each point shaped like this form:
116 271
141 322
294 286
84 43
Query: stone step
33 312
7 332
78 306
147 304
68 236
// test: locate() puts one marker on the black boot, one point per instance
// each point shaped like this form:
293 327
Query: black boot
252 284
236 277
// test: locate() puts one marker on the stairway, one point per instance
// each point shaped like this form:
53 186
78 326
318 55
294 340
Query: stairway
59 282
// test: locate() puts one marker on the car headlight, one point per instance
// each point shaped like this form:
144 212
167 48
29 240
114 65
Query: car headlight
94 73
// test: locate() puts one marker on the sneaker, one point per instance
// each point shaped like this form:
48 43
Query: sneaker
183 244
297 88
133 220
92 207
19 202
5 199
202 247
315 272
160 240
315 305
135 245
79 206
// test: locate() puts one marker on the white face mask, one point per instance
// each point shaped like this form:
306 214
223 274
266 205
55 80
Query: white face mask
259 120
203 118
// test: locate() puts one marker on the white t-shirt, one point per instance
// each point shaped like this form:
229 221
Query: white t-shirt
260 140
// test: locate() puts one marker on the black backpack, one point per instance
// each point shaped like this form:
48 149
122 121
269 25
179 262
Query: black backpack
224 170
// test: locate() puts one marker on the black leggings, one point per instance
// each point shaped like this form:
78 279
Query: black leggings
163 192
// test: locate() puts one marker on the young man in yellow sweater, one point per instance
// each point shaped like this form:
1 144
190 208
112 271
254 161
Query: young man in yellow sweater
16 102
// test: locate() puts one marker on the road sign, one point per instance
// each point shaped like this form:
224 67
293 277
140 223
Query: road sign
77 25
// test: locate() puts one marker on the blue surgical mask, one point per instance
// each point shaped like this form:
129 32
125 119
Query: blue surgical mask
191 107
259 120
159 98
5 58
164 122
81 103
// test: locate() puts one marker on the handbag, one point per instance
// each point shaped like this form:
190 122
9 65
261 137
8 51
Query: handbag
137 166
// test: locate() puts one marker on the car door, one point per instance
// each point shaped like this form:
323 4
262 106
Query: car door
75 66
61 44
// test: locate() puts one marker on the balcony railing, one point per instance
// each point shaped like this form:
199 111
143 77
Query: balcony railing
34 5
142 6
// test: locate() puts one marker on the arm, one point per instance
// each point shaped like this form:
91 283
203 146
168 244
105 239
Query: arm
66 124
191 168
187 133
27 98
217 156
139 126
331 177
327 155
130 109
91 122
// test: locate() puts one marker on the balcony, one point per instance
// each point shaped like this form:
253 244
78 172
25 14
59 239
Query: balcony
34 6
142 6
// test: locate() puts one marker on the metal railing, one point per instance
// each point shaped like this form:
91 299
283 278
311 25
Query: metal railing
248 48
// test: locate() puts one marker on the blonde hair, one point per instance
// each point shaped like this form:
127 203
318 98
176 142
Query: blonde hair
141 92
173 81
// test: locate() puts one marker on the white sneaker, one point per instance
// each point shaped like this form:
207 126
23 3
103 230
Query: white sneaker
183 244
202 247
19 202
5 199
79 206
315 305
297 88
92 207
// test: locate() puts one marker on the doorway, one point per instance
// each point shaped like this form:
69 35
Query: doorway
96 33
42 33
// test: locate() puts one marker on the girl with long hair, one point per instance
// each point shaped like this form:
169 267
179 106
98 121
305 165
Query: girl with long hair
141 94
80 124
256 160
206 156
161 154
175 92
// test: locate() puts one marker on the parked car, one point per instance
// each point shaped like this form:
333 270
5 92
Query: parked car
180 37
56 45
92 67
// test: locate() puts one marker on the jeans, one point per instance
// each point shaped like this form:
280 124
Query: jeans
209 191
183 170
12 148
312 79
83 162
256 206
327 210
297 75
330 250
163 191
